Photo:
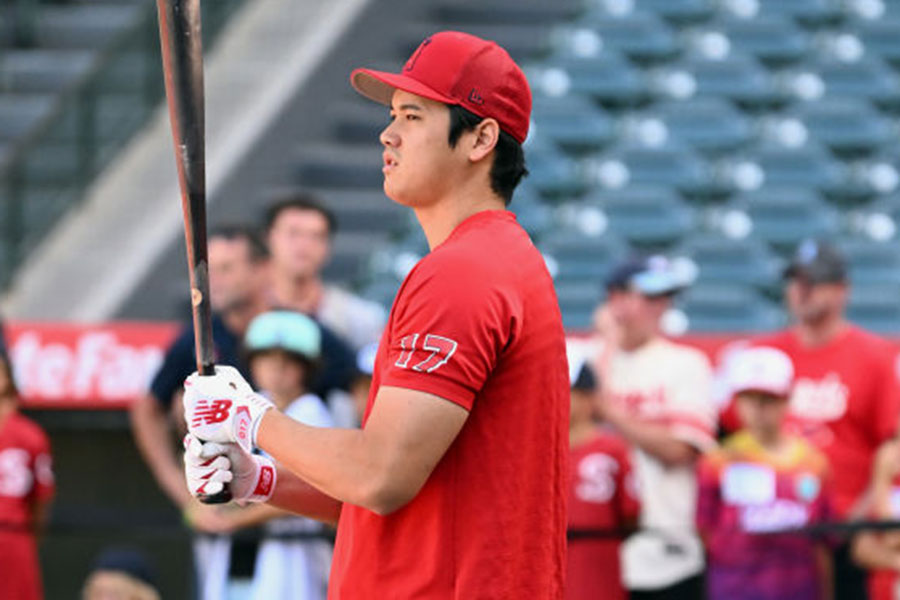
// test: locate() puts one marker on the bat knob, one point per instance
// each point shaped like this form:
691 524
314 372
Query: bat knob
222 497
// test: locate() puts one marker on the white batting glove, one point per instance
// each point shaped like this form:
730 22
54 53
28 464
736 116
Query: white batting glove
223 408
208 466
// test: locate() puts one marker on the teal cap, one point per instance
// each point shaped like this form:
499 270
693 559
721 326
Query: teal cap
284 330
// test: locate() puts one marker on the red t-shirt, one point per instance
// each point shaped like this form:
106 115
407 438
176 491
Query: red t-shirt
601 496
477 323
25 478
846 401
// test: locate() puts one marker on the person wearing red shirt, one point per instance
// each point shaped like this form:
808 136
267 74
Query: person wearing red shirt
603 505
455 486
846 399
26 487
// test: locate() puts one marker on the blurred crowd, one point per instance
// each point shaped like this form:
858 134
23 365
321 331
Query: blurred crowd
686 481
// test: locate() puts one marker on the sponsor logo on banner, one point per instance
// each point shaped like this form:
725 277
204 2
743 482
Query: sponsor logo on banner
60 365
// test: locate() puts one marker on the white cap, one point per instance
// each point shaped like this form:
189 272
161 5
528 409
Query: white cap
761 369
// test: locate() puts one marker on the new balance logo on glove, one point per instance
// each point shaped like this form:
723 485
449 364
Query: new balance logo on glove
209 412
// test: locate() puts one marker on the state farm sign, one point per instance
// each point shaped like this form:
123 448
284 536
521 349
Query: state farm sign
59 365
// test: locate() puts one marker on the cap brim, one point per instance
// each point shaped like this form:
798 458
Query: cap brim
379 86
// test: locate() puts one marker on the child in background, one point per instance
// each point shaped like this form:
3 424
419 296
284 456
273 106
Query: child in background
601 496
283 351
761 481
26 488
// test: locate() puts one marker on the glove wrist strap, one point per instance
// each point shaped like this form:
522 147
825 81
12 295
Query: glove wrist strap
266 478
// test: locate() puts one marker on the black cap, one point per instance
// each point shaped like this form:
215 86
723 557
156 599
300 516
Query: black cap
649 275
817 261
584 379
126 560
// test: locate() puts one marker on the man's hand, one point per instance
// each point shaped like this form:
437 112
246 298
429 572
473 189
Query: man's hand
209 466
223 408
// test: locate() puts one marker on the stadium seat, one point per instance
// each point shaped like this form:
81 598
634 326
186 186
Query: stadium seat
506 12
844 125
726 261
521 41
644 215
578 257
807 166
19 113
84 25
578 300
639 36
551 172
784 216
608 78
872 262
531 212
881 38
810 12
771 39
676 11
738 78
572 122
868 78
875 307
728 309
670 165
705 124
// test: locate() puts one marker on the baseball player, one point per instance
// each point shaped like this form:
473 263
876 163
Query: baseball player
26 487
455 485
657 395
846 399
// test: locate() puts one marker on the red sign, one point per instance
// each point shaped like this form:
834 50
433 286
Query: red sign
61 365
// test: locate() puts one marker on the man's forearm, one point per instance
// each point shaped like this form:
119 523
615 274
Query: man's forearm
151 435
297 496
654 439
341 463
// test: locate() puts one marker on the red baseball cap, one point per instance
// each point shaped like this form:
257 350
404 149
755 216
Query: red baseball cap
458 68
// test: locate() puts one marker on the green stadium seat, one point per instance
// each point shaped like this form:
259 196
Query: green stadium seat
725 261
845 125
572 122
578 300
671 165
583 258
871 262
869 78
808 166
639 36
728 309
809 12
708 125
608 78
785 216
881 38
875 307
551 172
41 71
738 78
644 215
771 39
20 113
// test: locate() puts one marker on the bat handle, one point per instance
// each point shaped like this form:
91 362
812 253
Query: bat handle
224 496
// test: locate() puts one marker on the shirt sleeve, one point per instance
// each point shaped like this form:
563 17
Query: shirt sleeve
691 412
450 324
44 480
177 364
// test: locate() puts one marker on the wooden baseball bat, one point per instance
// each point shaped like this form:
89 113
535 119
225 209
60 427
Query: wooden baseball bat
182 55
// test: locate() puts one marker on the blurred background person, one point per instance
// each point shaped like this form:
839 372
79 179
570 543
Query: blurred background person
601 494
299 232
26 489
121 574
880 550
657 395
362 383
283 349
762 480
846 399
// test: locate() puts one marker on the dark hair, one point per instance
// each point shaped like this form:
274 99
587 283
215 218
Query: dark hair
258 249
311 366
299 201
509 159
6 367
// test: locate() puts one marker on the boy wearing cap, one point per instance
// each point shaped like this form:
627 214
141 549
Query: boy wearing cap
761 481
283 349
657 395
846 398
455 485
601 495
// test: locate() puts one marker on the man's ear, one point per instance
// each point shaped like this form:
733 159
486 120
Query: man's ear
484 139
